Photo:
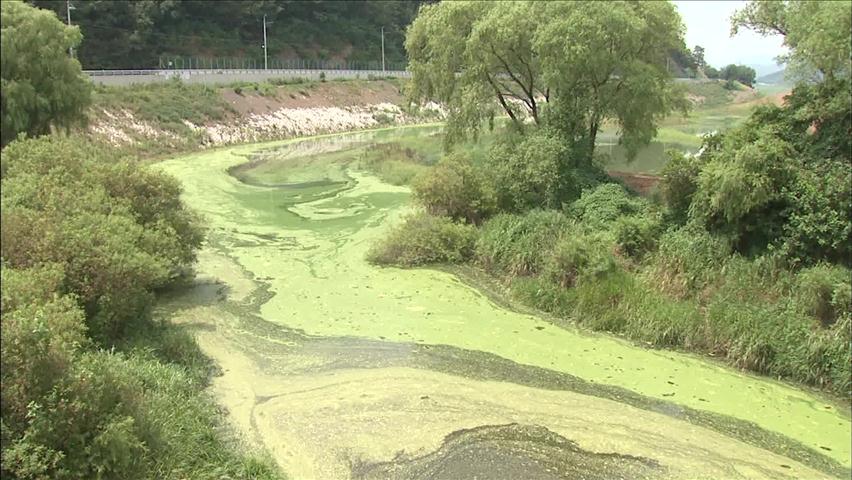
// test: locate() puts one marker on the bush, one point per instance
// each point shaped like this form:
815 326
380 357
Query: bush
455 188
114 230
825 292
576 259
636 235
679 182
131 418
517 245
533 171
423 239
818 227
598 208
687 260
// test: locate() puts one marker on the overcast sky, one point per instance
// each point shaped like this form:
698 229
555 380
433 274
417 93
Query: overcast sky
708 24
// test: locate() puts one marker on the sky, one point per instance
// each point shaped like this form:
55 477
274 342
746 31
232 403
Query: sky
708 24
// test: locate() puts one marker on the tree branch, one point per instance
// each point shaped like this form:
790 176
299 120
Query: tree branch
501 99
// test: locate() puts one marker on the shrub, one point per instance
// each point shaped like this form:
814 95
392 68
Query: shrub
576 259
636 235
38 344
598 304
543 294
517 244
825 292
423 239
114 230
687 260
533 171
455 188
598 208
679 182
132 418
818 227
322 76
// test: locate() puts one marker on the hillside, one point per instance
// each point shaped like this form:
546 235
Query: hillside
126 35
775 78
140 35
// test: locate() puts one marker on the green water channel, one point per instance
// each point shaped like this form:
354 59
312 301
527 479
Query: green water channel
342 369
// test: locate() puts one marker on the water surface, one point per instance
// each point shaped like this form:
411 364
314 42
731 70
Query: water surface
341 369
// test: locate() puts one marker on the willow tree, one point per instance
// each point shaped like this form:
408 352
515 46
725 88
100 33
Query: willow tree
570 65
42 86
817 34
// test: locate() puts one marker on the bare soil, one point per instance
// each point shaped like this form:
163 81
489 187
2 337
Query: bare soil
314 95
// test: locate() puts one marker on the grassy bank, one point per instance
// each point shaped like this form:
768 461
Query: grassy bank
156 119
681 270
680 289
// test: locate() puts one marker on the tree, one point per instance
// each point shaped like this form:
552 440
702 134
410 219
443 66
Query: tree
698 57
817 33
781 180
741 73
584 62
711 72
42 87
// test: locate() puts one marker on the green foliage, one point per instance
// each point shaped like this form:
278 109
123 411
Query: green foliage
679 183
42 87
769 184
637 235
84 240
598 208
816 33
825 292
533 171
455 188
477 58
512 245
132 35
738 73
171 103
132 418
114 229
425 239
576 259
687 260
394 163
712 72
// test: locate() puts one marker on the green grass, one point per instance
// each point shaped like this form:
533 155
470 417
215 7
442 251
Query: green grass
166 104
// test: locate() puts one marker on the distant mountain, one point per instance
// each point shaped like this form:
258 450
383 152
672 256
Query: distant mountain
774 78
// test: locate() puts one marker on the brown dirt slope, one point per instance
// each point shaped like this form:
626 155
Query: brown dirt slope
314 95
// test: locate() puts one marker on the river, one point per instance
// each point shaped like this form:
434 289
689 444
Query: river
344 370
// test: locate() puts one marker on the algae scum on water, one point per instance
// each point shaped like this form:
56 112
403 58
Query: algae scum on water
344 370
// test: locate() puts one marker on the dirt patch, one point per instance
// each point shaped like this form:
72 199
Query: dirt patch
313 95
742 96
641 183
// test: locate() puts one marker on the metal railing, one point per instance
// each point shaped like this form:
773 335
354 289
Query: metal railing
250 63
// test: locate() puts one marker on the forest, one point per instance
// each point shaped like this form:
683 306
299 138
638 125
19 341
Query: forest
129 35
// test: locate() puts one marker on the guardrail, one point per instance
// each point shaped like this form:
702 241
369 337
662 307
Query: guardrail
224 76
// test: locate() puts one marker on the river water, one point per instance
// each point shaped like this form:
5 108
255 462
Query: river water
344 370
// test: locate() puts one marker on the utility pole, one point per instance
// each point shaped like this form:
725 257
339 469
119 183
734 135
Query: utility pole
265 48
383 49
68 9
